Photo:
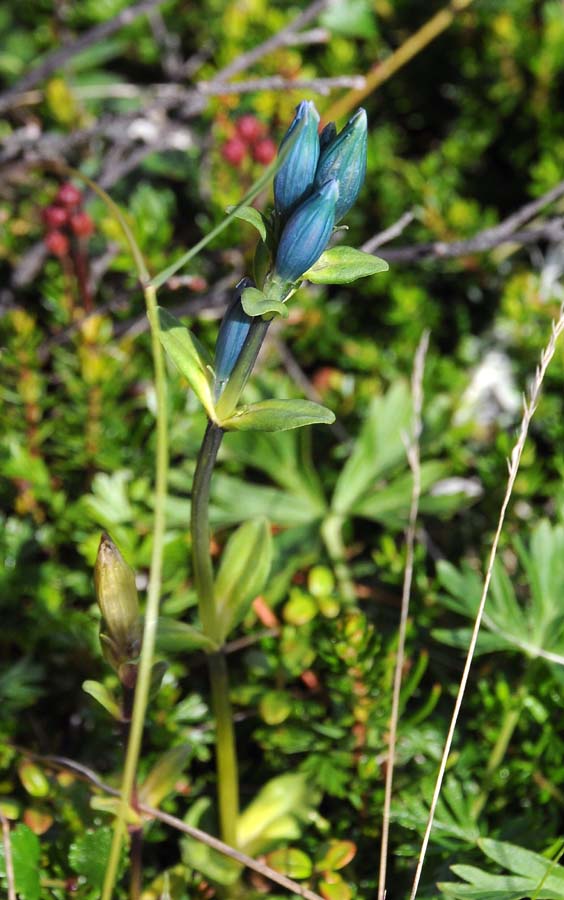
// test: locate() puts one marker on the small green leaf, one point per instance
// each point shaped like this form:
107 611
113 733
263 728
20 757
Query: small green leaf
332 887
178 637
33 779
244 569
291 862
252 216
88 855
25 860
340 265
278 415
161 780
274 708
255 303
189 357
104 697
338 854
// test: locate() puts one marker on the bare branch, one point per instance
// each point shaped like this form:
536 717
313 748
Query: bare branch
58 58
514 462
321 86
245 60
389 234
8 861
179 825
507 230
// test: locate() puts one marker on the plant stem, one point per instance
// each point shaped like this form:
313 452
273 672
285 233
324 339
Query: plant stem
153 595
332 534
499 749
226 754
200 528
226 751
243 368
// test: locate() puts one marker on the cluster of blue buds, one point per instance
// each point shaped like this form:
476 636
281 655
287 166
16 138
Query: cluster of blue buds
315 187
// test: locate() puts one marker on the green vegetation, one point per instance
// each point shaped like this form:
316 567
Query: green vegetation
119 184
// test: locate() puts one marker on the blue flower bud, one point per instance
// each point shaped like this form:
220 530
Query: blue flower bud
233 332
295 178
344 158
307 233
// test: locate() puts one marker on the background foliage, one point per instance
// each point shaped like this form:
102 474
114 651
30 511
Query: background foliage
467 132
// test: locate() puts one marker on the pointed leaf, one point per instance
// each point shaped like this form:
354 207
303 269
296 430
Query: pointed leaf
161 780
341 265
278 415
189 357
291 862
252 216
244 569
104 697
255 303
178 637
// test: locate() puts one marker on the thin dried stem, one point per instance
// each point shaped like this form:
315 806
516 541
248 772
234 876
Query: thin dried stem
530 406
384 70
413 457
199 835
8 861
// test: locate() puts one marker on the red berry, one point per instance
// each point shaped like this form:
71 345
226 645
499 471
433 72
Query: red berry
264 151
68 195
54 216
57 243
82 224
249 129
233 151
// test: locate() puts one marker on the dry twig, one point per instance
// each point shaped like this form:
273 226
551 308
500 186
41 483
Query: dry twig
8 861
413 458
514 462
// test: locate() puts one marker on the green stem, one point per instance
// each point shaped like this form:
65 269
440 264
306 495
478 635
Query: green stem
200 528
243 367
508 726
153 595
226 751
332 534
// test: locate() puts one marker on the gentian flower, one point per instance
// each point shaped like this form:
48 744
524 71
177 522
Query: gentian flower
343 157
233 332
306 233
294 180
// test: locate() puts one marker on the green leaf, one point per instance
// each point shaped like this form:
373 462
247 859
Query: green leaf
291 862
25 860
178 637
272 814
378 448
161 780
274 708
244 569
252 216
88 855
278 415
337 856
255 303
104 697
341 265
189 357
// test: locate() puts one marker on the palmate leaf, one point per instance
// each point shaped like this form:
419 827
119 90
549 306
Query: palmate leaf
378 448
531 875
535 627
454 822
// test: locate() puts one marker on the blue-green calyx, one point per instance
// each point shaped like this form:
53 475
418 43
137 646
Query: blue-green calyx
344 158
232 335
